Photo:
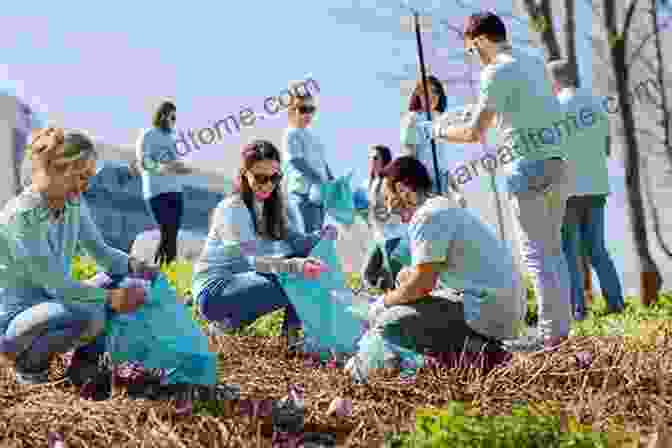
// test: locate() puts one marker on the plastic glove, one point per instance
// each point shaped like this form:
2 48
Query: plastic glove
329 232
100 280
376 308
313 268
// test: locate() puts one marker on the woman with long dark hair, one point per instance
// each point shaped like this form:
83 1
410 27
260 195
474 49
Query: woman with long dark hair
162 189
249 243
416 140
379 270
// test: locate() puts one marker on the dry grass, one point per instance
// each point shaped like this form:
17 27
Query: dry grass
620 387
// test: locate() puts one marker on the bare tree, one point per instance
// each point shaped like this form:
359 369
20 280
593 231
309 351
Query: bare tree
619 38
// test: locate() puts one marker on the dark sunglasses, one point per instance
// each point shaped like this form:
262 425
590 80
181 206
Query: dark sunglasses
171 117
306 110
263 179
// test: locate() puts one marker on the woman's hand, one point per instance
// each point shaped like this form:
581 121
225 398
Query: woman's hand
313 268
126 300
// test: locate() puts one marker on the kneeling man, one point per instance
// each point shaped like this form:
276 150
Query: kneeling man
450 243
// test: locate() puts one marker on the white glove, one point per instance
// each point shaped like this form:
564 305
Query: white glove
376 308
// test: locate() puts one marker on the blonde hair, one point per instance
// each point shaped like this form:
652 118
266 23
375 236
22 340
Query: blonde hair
75 146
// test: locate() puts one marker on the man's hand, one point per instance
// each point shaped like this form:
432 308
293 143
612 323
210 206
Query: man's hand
126 300
403 275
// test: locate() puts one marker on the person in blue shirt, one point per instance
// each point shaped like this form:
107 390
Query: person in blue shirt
304 161
43 311
160 167
583 228
379 270
249 243
516 96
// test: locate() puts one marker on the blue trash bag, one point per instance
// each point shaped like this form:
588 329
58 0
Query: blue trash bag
327 323
162 335
338 200
360 198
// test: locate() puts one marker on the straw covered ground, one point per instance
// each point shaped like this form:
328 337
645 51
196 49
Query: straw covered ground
612 375
619 388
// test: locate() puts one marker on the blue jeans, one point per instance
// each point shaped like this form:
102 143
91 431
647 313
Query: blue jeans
583 234
304 215
244 299
41 329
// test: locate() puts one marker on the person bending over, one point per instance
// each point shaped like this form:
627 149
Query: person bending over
446 242
43 312
249 242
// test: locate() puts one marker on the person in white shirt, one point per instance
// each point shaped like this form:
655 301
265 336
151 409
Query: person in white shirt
157 159
516 95
416 138
584 219
304 161
450 243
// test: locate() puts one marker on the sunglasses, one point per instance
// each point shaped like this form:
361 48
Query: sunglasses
306 110
263 179
171 117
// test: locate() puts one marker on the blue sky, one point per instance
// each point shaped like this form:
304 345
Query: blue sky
102 69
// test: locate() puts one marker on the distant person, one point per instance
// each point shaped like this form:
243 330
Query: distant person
235 280
304 161
517 97
449 243
584 218
160 167
379 269
416 139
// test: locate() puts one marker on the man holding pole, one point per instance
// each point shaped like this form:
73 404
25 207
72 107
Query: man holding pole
515 90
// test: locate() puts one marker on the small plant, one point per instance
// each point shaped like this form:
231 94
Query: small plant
457 426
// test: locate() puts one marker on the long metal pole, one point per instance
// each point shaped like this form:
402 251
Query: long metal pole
428 106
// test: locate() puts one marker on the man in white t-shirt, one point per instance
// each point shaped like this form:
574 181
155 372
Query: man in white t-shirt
516 96
446 242
583 226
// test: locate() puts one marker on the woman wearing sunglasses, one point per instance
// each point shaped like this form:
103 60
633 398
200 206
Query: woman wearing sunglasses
249 243
416 141
305 163
161 186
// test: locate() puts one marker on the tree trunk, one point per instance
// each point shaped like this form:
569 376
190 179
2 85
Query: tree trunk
651 280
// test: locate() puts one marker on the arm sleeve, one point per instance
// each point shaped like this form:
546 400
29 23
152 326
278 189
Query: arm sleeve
430 240
296 153
233 226
301 243
109 258
29 227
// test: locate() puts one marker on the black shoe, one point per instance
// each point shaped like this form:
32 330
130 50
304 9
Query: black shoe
98 388
82 369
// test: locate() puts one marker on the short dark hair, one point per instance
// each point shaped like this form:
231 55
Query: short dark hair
434 84
164 108
410 172
486 24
